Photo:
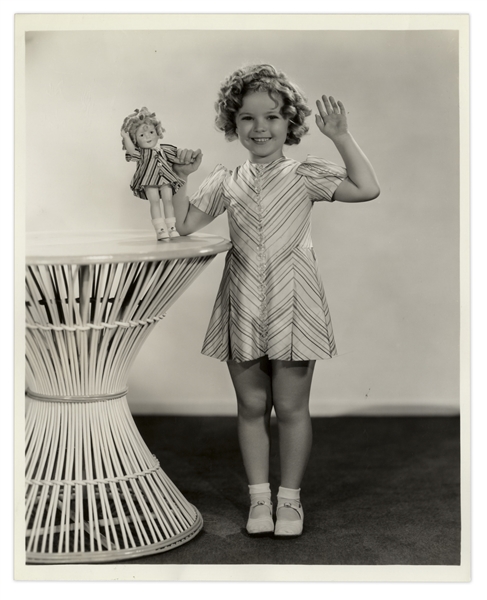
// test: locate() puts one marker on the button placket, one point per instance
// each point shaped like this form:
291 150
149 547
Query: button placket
262 261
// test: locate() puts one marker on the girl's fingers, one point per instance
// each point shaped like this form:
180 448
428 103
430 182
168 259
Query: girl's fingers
327 104
319 121
334 105
184 155
321 109
330 105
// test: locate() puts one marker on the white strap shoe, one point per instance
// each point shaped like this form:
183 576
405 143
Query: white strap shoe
264 522
162 234
285 527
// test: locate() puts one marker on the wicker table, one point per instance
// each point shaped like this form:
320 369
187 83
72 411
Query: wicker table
94 491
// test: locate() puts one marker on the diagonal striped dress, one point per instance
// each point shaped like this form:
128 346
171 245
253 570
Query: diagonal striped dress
271 299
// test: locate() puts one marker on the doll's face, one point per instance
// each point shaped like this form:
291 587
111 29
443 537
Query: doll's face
146 136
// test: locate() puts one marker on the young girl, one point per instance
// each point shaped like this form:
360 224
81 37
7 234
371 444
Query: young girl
270 322
154 179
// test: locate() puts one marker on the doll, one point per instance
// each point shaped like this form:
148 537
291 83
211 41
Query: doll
154 179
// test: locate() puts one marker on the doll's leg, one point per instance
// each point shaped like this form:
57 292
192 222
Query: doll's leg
157 212
166 196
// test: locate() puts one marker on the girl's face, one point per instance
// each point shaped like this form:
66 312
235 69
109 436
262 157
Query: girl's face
146 136
261 128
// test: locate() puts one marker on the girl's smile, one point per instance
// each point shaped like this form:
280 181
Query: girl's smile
261 127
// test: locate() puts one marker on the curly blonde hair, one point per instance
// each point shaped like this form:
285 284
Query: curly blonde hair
141 117
261 78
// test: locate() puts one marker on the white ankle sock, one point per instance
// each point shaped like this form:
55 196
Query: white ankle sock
159 224
259 488
288 493
171 222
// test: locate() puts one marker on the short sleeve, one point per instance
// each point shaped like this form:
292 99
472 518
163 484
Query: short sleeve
135 156
321 177
170 152
210 197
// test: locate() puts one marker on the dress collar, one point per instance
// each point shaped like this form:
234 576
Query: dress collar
261 167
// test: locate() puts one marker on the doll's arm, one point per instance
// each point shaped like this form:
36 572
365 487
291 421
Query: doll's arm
127 143
170 152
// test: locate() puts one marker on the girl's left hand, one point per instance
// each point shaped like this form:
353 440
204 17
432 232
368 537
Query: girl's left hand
332 120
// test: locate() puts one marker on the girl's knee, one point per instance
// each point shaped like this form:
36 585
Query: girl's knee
289 410
254 407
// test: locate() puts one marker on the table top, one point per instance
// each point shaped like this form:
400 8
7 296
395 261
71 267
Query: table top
82 248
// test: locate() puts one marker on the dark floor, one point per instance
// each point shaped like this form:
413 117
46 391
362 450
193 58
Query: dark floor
378 491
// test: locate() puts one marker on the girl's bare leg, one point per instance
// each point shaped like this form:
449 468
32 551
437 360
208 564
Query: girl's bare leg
291 386
252 383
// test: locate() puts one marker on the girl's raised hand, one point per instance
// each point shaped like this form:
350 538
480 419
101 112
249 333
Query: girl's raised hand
187 162
332 120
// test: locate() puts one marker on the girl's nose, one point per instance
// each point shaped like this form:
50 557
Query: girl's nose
259 125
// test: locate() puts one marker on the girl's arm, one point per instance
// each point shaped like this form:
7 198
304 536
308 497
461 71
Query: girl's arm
361 183
188 218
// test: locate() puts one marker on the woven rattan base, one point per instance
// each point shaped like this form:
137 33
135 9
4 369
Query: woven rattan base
94 493
105 556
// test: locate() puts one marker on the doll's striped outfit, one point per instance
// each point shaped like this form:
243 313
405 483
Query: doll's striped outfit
271 299
154 169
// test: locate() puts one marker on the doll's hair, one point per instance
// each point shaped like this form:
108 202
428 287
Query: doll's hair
138 118
261 78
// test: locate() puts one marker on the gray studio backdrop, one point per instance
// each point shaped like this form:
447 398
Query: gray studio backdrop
390 267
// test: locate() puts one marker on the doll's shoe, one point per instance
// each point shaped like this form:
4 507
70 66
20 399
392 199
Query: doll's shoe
173 232
258 525
285 527
162 234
